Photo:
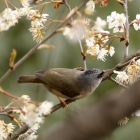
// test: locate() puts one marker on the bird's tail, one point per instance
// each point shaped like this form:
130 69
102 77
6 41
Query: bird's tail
29 79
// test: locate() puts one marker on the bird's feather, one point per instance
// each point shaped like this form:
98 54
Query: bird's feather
62 80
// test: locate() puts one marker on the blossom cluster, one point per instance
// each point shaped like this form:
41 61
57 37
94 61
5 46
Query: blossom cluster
95 37
96 47
5 129
37 24
9 18
116 21
130 75
29 114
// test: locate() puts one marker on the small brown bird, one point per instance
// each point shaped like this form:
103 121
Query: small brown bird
66 83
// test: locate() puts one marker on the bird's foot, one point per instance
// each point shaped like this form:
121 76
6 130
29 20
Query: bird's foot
64 104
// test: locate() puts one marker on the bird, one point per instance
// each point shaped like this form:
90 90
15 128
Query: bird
66 83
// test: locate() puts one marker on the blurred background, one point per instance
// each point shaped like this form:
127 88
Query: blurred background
65 55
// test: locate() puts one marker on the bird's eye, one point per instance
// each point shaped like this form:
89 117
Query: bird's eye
100 75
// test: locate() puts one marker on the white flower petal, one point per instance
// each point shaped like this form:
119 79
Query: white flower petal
111 51
102 53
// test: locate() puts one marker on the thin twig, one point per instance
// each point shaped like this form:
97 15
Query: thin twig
15 97
126 28
8 94
79 41
6 3
33 50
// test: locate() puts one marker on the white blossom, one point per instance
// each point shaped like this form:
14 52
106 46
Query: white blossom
10 15
3 135
93 51
136 113
111 51
136 22
76 31
25 98
44 108
37 33
5 129
86 21
121 77
90 42
138 62
103 36
23 11
90 6
133 69
118 29
32 118
8 18
30 115
120 20
25 3
35 127
111 20
99 24
10 128
116 21
39 21
102 53
31 136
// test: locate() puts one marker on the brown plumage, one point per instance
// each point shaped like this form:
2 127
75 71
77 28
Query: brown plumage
66 83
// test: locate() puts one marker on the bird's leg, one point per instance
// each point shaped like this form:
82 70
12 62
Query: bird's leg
62 102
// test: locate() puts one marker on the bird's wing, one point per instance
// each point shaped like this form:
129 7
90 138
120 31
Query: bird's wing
60 79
